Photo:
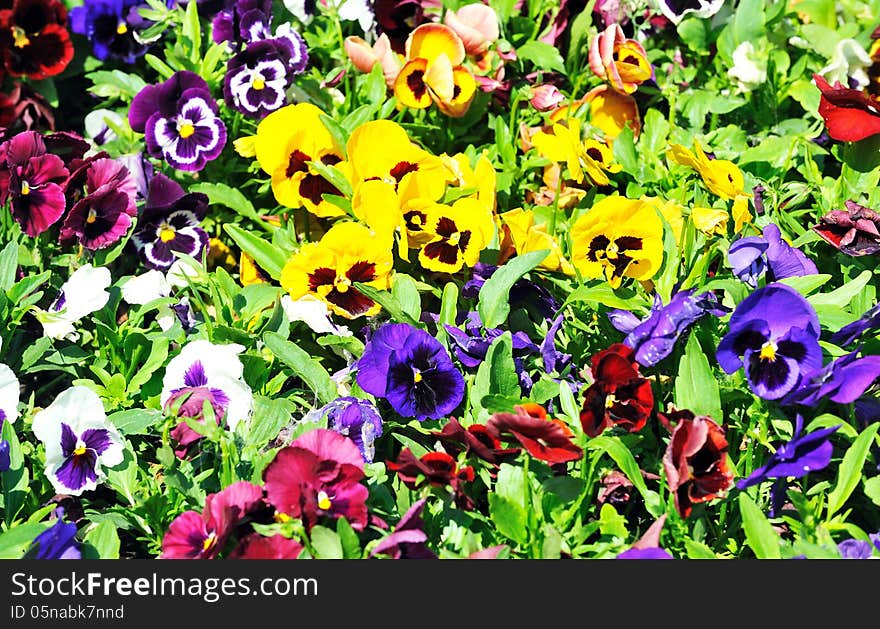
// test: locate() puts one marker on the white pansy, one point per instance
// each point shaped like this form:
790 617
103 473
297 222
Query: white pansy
9 392
183 272
314 313
79 440
747 70
83 293
358 11
849 60
147 287
96 127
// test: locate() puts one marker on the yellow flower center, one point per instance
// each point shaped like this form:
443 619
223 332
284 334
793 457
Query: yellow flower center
19 37
25 188
79 451
121 29
186 130
453 239
768 351
417 376
281 518
92 217
611 251
323 500
167 233
342 284
258 84
610 400
209 541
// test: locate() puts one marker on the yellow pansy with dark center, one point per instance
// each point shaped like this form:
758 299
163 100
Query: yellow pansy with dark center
458 233
616 254
450 244
632 64
186 130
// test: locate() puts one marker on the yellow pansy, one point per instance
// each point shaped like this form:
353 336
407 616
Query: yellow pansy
721 176
529 236
617 238
458 233
349 252
564 144
672 211
710 220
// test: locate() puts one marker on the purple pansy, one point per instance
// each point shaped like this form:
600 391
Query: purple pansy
801 455
170 222
412 370
257 78
101 217
409 540
853 331
179 120
245 21
111 26
842 381
56 542
751 257
79 440
653 338
774 335
855 549
357 419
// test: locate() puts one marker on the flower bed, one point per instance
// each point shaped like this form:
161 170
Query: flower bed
439 279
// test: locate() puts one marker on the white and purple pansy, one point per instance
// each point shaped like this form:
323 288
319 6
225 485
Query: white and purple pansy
170 223
83 293
257 78
179 120
204 372
9 394
80 442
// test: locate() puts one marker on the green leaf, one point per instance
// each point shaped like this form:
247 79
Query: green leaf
625 151
220 193
693 33
760 536
8 265
264 253
542 55
334 176
497 373
326 543
696 550
103 540
611 523
621 455
602 294
15 541
872 489
270 416
303 365
507 503
494 300
124 477
135 421
696 388
842 296
115 84
850 471
158 349
389 302
407 295
14 481
351 544
806 284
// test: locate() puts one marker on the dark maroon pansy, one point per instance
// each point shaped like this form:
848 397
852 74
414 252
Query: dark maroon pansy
476 439
318 476
34 41
24 109
854 231
850 115
696 463
32 180
434 468
549 440
619 396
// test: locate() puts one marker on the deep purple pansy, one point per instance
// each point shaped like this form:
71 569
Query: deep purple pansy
753 256
179 120
257 78
111 26
412 370
853 331
842 381
56 542
774 335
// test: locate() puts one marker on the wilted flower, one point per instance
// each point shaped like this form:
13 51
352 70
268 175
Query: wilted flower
318 475
194 535
619 395
620 61
774 335
545 97
696 462
801 455
412 370
79 440
83 293
180 121
617 238
854 231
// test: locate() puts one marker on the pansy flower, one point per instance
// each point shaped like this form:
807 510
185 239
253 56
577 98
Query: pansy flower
357 419
169 223
721 176
256 79
854 231
80 443
476 439
622 62
842 381
257 546
617 238
752 256
194 535
802 454
204 373
850 115
84 292
243 21
328 269
104 214
774 335
111 26
32 179
56 542
851 332
654 337
619 395
9 394
408 541
696 463
433 72
610 111
287 140
457 234
585 159
434 469
412 370
179 120
34 41
527 235
318 476
546 439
